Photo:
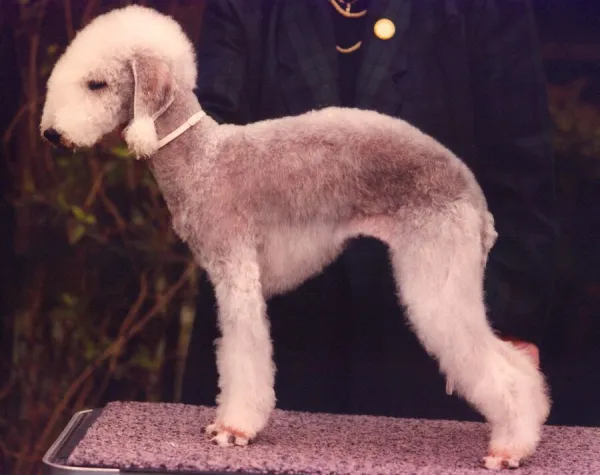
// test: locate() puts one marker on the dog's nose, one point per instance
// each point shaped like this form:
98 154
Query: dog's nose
52 136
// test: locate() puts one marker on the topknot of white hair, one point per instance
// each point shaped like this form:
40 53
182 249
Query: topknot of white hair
123 32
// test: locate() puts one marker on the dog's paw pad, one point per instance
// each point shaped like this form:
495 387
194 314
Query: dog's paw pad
226 437
494 462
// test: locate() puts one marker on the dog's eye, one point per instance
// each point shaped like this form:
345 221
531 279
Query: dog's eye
95 85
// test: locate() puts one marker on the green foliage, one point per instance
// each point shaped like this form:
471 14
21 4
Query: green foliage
577 124
102 277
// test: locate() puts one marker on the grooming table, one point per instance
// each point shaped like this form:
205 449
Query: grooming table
162 438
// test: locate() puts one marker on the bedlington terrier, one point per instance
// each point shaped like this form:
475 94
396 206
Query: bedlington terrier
265 206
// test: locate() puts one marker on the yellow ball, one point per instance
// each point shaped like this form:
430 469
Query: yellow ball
384 29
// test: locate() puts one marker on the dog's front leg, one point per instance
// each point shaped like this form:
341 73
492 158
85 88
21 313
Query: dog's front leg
244 351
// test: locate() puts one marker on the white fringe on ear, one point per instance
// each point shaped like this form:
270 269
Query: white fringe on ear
141 137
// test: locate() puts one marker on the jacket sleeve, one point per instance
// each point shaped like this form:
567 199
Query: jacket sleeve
222 63
515 163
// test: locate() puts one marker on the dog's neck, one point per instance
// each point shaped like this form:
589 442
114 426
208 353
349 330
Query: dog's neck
185 105
176 159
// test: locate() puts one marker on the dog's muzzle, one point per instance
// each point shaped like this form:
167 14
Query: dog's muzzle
56 139
52 136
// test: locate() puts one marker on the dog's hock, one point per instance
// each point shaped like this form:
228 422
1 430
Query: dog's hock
154 91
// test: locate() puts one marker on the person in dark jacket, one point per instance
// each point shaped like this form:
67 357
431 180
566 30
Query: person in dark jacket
467 72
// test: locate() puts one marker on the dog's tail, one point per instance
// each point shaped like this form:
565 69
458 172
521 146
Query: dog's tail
489 235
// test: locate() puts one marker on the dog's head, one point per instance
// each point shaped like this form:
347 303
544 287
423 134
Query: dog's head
123 69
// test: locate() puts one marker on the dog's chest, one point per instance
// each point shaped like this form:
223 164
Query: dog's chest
290 255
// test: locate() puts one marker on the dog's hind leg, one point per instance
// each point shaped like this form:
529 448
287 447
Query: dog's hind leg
244 351
437 259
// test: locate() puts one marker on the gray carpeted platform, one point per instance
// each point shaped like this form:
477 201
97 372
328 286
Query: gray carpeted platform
167 437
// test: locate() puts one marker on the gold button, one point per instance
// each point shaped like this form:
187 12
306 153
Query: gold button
384 29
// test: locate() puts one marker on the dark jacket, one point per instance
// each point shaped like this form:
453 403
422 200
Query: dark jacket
467 72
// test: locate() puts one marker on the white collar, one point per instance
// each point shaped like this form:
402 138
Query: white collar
193 120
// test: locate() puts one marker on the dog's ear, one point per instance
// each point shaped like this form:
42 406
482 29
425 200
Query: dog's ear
154 91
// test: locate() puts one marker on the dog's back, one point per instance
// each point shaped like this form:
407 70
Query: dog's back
340 163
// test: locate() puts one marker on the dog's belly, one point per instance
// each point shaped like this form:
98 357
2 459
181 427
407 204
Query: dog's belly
289 256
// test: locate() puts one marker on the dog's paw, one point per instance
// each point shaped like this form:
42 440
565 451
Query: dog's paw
499 462
226 436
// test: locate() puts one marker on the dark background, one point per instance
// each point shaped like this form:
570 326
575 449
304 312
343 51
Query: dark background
72 284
